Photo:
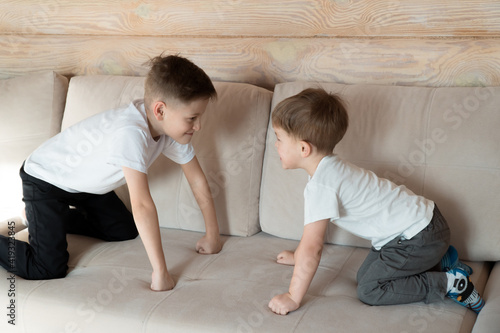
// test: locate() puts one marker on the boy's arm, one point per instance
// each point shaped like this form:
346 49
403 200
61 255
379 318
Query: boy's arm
146 220
210 243
307 258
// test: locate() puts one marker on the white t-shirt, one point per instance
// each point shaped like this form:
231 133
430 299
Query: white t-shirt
89 156
364 204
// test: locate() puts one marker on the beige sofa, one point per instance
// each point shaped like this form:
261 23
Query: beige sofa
443 143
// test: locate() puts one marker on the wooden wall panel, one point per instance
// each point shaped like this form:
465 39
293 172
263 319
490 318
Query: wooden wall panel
253 17
267 61
410 42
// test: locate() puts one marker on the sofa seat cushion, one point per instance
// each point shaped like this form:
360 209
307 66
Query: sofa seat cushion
31 109
441 143
489 320
229 146
107 288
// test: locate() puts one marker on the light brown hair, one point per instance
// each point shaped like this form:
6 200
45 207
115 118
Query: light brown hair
175 78
314 116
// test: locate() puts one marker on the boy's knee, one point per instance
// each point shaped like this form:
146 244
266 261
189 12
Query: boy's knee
131 234
46 274
129 231
55 275
367 294
124 234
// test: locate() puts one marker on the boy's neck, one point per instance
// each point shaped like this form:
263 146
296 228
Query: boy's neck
154 133
311 162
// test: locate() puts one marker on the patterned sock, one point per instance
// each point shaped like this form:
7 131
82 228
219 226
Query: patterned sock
450 261
462 291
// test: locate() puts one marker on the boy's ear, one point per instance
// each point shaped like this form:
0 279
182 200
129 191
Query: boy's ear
159 110
306 148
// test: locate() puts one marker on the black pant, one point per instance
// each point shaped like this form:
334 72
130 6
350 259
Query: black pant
50 218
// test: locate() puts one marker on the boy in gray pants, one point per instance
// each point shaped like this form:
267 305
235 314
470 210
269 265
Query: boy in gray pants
409 235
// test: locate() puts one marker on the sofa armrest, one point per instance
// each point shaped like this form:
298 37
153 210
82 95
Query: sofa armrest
488 319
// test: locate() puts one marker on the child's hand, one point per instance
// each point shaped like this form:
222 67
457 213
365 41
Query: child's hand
286 258
161 282
282 304
209 245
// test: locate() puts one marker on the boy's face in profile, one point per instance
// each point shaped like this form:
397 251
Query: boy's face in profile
181 120
289 149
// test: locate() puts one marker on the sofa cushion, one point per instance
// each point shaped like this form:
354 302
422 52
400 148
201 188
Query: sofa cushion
489 320
230 148
31 109
107 289
442 143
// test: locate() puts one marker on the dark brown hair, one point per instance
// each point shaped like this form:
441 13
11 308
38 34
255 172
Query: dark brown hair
314 116
176 78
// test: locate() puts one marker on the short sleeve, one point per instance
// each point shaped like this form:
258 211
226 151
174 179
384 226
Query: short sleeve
179 153
129 149
320 202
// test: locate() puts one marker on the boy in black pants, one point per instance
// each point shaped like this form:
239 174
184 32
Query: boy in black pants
68 182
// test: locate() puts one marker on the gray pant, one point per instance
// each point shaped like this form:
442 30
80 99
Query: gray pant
400 272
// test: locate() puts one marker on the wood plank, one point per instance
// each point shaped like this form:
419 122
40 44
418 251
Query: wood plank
266 61
257 18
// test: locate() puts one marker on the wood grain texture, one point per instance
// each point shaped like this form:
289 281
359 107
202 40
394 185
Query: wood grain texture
306 18
424 42
266 61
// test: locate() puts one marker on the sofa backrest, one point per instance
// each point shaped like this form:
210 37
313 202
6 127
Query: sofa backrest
230 148
442 143
31 109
